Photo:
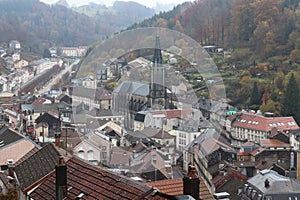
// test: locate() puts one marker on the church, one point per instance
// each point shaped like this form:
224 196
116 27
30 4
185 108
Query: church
131 97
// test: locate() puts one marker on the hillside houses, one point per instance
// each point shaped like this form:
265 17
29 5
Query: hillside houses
73 52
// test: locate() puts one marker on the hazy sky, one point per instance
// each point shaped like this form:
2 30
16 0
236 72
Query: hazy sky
149 3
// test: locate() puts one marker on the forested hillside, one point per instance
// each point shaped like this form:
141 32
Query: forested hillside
263 38
38 26
268 28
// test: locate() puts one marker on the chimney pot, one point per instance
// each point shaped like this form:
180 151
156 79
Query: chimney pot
57 139
10 166
61 179
267 183
191 183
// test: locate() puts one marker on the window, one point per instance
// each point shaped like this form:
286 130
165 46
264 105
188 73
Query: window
81 154
90 155
103 155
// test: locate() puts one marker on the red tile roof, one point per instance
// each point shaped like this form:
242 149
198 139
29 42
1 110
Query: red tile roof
261 123
243 153
175 187
257 150
247 144
268 143
39 101
171 114
95 183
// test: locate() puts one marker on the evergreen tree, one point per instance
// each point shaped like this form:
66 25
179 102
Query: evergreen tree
290 105
255 95
46 53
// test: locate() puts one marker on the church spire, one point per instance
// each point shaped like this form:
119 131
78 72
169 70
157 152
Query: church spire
158 94
157 60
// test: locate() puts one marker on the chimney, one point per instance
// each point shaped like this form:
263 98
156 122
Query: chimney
61 179
191 183
10 167
57 139
267 183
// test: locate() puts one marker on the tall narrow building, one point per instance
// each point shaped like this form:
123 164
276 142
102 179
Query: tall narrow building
157 89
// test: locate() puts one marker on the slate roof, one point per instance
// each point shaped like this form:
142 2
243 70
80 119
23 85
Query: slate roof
98 93
8 136
210 141
163 135
65 98
48 107
74 137
278 184
175 187
102 113
209 145
47 118
130 87
144 163
95 183
37 166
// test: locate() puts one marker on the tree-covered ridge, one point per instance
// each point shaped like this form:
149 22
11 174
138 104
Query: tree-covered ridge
268 28
166 19
120 15
39 26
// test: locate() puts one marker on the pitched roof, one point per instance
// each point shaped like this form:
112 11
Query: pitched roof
269 143
210 145
163 135
275 132
261 123
144 163
73 137
16 150
257 151
171 114
248 144
278 184
39 101
28 154
47 118
131 87
95 183
8 136
98 93
175 187
37 166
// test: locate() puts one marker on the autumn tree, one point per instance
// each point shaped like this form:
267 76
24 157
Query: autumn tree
270 106
242 17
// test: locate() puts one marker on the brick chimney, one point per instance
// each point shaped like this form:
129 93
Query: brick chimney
191 183
57 139
10 168
61 179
